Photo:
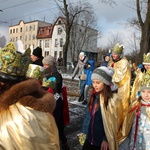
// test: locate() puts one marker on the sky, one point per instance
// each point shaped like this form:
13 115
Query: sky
110 19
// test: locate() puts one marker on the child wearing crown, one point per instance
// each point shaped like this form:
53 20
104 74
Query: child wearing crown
139 136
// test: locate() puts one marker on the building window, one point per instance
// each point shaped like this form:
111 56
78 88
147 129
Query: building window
21 29
61 42
47 31
16 38
59 22
33 37
60 54
55 54
56 42
41 31
40 43
29 37
17 30
25 46
11 31
46 53
33 27
26 28
25 37
46 43
30 28
59 31
20 37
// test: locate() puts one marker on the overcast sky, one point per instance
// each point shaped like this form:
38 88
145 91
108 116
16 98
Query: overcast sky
110 19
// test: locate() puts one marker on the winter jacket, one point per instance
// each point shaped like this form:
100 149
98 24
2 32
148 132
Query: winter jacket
80 67
88 71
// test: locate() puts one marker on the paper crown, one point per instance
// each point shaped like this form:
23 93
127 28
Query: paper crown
118 49
50 82
146 58
145 83
12 61
35 71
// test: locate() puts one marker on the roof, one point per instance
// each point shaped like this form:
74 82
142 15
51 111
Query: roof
45 32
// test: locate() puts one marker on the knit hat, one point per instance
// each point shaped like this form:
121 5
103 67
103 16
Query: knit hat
103 74
37 52
49 60
145 83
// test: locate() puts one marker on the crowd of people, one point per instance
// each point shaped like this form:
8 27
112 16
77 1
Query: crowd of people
34 108
117 113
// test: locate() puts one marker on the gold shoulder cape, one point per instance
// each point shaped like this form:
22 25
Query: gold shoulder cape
112 117
23 128
122 78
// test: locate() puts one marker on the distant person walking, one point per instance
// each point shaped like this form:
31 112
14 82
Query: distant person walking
79 71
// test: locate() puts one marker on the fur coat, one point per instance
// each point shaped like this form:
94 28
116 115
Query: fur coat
25 118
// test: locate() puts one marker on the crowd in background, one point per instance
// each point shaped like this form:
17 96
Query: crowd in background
34 107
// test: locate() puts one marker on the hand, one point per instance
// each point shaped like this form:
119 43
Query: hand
105 146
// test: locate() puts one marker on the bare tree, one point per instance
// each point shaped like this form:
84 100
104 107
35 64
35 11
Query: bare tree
83 32
70 17
113 39
142 23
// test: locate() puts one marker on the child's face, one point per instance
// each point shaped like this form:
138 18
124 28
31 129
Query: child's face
97 85
145 94
147 67
107 58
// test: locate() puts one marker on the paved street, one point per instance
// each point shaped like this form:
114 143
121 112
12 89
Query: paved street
76 110
76 118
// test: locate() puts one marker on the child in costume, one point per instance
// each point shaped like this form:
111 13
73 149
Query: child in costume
105 110
25 109
139 136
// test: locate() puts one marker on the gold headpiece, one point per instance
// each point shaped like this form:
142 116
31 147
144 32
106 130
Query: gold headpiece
13 62
146 58
50 82
145 83
118 49
35 71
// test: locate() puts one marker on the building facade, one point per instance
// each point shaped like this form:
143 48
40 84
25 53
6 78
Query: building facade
51 38
27 32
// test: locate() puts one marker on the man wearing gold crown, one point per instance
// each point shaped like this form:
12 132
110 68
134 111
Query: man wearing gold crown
122 75
26 122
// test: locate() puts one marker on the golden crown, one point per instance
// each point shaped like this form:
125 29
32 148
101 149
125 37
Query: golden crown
146 58
13 62
50 82
146 79
35 71
118 49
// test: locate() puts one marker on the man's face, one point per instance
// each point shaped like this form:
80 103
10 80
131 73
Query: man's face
147 67
34 58
115 56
